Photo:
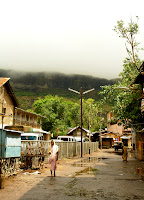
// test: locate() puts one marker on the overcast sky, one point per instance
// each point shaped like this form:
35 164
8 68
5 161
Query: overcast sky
68 36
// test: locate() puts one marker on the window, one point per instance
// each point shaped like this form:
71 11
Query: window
4 110
64 139
28 137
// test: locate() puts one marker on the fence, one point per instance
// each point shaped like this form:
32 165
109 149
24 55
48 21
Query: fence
66 149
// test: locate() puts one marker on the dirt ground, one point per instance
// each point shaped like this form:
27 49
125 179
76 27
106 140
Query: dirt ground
103 176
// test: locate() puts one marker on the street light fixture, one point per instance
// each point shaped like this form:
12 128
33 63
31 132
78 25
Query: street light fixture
81 93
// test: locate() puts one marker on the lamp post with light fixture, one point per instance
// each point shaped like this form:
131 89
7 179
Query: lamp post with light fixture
81 95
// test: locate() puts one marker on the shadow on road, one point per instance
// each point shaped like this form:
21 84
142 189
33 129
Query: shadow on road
107 179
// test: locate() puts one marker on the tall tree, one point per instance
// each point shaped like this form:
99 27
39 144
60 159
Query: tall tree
125 101
55 110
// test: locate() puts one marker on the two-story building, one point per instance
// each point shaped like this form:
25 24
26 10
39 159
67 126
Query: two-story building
12 116
117 131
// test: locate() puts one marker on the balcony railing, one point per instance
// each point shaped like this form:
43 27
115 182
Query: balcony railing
26 123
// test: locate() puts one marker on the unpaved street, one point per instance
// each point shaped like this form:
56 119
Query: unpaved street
104 176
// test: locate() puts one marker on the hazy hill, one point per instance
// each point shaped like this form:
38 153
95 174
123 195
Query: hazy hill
30 86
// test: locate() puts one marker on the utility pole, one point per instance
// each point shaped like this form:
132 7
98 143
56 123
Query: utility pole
100 136
89 133
81 95
101 119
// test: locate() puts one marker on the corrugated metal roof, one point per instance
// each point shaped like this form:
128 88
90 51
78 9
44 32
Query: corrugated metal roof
14 131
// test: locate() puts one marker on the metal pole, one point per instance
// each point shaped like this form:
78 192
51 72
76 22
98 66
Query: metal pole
100 137
89 131
81 108
100 134
89 134
81 121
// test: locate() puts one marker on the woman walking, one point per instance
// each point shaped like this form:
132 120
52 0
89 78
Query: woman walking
124 152
53 156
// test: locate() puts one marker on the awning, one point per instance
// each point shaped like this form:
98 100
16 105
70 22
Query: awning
108 137
36 130
126 137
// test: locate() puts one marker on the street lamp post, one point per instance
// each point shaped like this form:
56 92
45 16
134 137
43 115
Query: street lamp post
89 133
101 120
81 95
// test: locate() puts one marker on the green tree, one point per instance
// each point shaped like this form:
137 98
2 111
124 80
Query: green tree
91 120
60 114
55 111
75 114
125 102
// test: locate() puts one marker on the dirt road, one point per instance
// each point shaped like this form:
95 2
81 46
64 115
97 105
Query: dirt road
103 176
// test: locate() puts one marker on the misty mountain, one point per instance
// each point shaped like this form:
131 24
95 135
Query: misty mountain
37 84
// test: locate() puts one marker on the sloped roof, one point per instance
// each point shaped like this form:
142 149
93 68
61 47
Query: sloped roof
21 110
5 81
73 129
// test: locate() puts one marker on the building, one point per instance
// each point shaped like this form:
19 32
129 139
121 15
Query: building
117 131
76 132
8 102
108 139
140 133
113 126
15 118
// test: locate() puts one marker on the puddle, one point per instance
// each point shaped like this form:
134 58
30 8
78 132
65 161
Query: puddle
79 164
92 159
83 162
130 154
102 158
88 170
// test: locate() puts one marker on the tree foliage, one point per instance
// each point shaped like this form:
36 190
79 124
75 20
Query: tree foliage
61 114
126 106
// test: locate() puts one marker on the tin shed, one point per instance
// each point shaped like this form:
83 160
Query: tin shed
11 144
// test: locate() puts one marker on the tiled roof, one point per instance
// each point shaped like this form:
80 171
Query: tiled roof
3 80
